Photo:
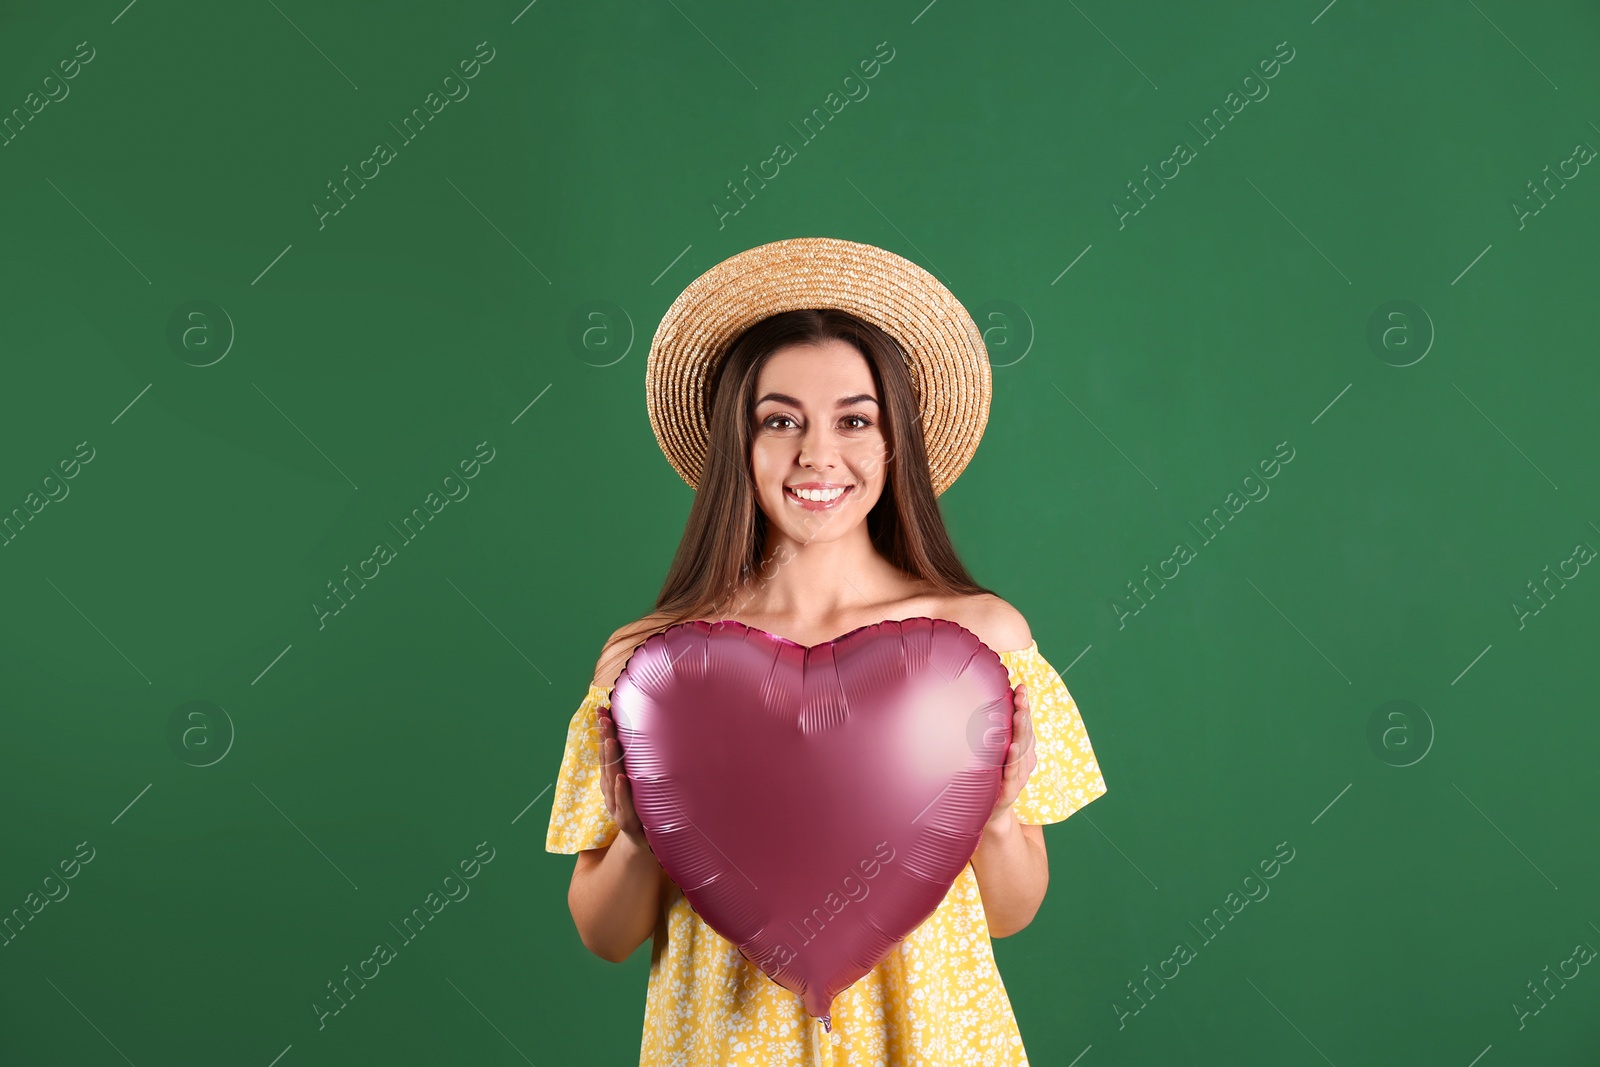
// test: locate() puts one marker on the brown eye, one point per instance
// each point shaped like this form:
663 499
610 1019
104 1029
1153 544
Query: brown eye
862 419
770 419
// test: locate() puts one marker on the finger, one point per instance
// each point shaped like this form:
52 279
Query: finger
617 811
606 797
625 810
1008 782
1027 729
1022 731
1022 718
1023 741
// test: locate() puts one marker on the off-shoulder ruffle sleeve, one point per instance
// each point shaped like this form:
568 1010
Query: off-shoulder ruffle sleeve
1067 776
578 816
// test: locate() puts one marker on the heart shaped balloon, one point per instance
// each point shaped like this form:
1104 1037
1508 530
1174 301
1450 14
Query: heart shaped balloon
814 805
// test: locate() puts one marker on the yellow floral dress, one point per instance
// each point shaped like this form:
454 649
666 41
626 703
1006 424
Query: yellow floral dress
936 1000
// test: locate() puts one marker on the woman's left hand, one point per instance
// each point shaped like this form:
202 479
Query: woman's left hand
1020 756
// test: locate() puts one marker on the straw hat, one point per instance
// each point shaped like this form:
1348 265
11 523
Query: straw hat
949 366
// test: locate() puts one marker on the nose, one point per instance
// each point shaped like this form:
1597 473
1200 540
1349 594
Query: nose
818 449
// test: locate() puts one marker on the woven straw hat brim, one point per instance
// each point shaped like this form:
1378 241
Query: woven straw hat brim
947 360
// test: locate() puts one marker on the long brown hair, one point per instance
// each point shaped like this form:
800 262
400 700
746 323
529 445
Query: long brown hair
725 531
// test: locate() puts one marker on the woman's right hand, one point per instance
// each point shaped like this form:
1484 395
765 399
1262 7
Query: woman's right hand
614 782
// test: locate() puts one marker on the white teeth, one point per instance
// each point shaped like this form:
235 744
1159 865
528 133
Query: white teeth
818 494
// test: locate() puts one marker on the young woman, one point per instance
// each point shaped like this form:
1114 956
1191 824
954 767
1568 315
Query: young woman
815 514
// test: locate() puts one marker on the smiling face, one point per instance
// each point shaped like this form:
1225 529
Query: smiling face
818 452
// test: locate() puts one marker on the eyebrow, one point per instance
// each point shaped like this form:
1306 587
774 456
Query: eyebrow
844 402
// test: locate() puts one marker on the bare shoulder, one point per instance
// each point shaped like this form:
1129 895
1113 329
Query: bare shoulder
620 645
995 621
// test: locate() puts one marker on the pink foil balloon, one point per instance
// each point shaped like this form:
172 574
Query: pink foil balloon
814 804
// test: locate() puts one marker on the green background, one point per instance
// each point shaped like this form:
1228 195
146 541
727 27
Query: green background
1437 869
